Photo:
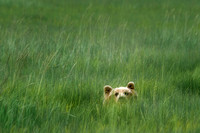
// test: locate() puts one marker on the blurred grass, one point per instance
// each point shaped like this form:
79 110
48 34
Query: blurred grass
55 58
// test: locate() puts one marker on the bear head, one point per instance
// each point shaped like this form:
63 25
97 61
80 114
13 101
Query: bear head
120 93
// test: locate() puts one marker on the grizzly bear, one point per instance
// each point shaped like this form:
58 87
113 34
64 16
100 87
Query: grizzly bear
120 93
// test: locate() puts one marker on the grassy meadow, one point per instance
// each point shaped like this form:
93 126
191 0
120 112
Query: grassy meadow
56 57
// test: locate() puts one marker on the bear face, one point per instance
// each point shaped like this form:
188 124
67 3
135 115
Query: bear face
120 93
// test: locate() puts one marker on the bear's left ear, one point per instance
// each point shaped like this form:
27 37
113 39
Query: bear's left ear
131 85
107 89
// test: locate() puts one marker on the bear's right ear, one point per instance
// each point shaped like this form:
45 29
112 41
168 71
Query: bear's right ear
107 89
131 85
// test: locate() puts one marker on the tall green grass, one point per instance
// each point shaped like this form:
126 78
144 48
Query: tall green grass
56 57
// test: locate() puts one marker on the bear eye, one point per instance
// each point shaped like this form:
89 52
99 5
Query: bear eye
126 93
116 94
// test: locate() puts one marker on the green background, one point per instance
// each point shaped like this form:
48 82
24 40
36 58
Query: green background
56 57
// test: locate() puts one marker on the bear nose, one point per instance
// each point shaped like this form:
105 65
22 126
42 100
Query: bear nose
122 98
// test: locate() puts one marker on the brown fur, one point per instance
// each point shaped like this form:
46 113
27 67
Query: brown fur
120 92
